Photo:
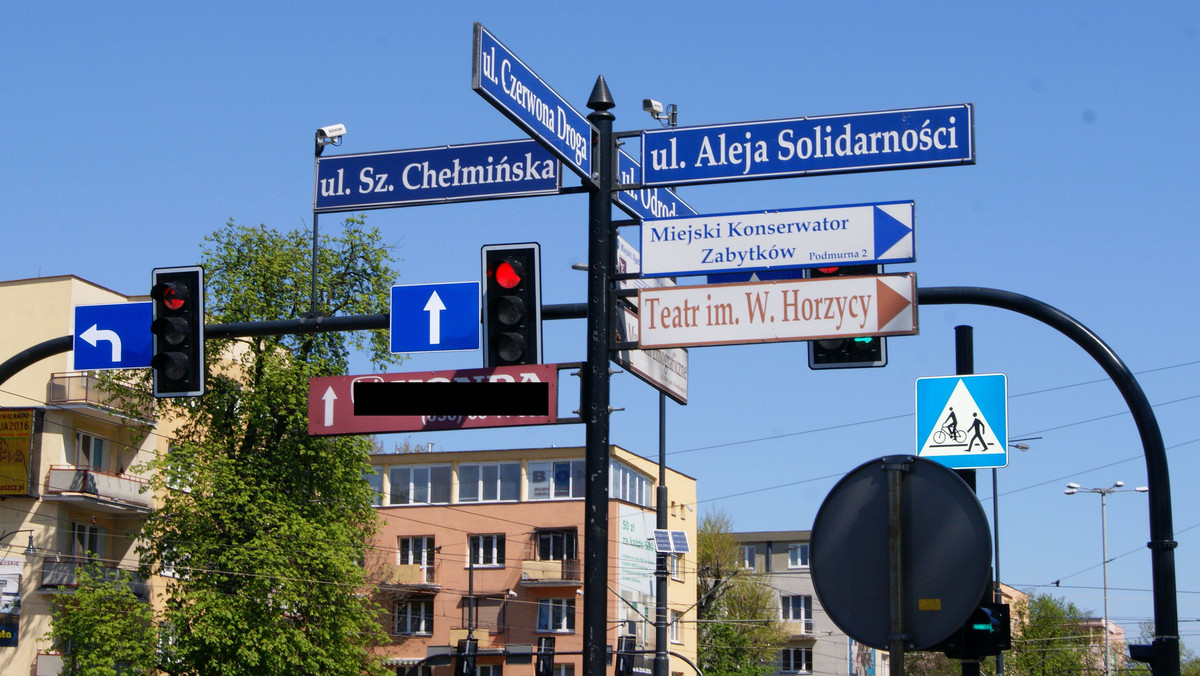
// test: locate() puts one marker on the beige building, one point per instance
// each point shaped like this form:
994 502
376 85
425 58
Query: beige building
506 528
69 491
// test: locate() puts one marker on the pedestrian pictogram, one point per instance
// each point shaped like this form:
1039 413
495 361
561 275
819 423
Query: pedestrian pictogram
962 421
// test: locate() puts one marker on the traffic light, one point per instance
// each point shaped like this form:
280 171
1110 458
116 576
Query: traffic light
986 632
545 657
512 302
625 646
178 328
464 659
847 353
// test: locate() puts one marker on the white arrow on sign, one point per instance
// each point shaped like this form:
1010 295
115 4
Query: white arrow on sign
434 307
95 334
329 397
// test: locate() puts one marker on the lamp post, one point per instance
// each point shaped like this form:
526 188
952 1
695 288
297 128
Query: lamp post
30 552
1117 487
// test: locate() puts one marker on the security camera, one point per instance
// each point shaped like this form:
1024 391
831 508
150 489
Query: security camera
651 106
332 132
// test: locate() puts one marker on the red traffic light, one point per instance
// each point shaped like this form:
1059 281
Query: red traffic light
508 274
173 295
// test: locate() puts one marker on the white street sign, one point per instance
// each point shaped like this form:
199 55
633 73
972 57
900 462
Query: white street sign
781 310
666 370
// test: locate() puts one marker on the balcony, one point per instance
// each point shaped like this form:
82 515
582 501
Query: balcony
81 388
798 628
408 577
564 573
63 576
111 493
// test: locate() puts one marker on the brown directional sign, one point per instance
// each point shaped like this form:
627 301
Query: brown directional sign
433 400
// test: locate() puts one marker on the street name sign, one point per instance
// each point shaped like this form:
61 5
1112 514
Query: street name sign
331 402
859 234
435 317
459 173
515 90
889 139
781 310
648 203
962 421
666 369
113 336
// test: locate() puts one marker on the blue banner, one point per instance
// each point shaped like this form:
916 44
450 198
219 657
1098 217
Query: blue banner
645 204
890 139
431 175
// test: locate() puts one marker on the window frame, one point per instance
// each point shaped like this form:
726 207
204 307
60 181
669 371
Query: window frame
96 445
788 661
804 603
424 617
568 544
548 609
477 547
746 556
504 486
431 489
797 561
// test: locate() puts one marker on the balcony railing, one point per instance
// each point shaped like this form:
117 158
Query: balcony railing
407 574
548 572
64 575
81 387
80 483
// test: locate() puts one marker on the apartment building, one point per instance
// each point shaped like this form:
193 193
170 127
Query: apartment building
815 645
69 491
504 529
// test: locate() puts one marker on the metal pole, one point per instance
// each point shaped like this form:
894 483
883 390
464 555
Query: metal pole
964 364
595 405
661 662
1104 567
895 496
997 594
471 586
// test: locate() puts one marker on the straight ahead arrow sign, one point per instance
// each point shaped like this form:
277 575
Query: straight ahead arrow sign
434 307
435 317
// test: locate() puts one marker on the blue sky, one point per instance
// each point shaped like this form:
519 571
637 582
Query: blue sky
135 129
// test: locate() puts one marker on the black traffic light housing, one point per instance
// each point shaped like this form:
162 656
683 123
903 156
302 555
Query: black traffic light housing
987 632
512 304
625 647
847 353
545 657
178 328
464 659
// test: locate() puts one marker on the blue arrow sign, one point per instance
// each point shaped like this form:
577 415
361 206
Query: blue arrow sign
856 234
435 317
890 139
115 336
458 173
962 421
515 90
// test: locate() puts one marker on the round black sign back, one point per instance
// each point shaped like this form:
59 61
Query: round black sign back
945 544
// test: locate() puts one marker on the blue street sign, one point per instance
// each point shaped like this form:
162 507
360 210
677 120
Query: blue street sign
645 204
115 336
962 421
856 234
435 317
515 90
890 139
435 175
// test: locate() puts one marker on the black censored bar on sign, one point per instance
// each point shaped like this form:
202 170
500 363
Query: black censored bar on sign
452 398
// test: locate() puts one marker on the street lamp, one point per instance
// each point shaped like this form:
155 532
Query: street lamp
1117 487
30 552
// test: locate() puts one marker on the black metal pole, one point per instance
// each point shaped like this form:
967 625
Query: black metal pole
662 666
964 365
595 406
895 467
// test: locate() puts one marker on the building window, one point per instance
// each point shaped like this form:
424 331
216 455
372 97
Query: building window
487 550
375 481
798 609
490 482
676 562
556 615
414 616
626 483
90 451
87 541
556 545
488 670
556 480
796 661
798 555
746 556
417 551
564 670
420 485
674 627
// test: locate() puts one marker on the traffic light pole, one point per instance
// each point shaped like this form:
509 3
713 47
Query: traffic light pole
594 408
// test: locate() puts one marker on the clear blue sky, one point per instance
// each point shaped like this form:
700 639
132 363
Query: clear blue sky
132 130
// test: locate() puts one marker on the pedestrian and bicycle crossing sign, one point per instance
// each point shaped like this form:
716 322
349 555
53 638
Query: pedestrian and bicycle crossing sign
962 421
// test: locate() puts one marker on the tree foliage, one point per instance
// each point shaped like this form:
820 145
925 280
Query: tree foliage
1049 637
740 633
263 526
103 629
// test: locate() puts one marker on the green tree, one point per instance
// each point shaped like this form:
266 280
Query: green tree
740 633
102 628
1049 638
263 526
